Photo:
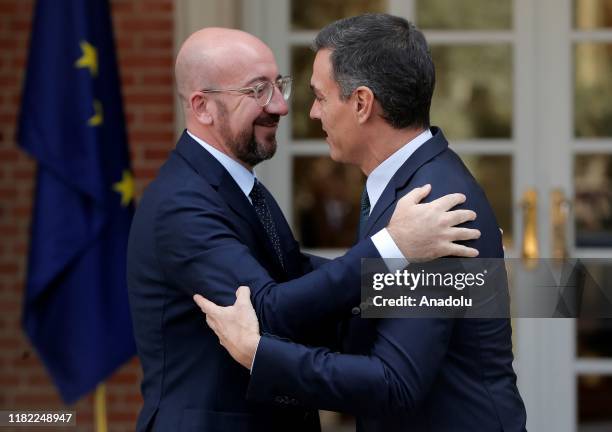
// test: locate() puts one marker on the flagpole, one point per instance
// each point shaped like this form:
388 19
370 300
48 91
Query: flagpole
100 408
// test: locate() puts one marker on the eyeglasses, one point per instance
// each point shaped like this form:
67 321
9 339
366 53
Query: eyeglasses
262 92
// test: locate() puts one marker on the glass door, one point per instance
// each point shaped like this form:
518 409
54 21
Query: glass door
524 94
591 177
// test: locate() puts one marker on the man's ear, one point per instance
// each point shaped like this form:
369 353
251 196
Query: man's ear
200 106
364 103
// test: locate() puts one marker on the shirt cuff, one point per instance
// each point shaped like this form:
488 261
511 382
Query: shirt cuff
388 250
255 356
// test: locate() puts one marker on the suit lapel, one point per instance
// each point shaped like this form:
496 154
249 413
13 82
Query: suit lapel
430 149
239 203
212 171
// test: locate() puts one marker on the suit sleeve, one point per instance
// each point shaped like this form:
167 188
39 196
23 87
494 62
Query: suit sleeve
394 377
200 251
314 261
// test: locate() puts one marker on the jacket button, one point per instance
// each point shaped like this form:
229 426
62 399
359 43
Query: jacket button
356 311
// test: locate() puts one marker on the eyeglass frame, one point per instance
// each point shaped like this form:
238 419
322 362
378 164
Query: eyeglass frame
253 90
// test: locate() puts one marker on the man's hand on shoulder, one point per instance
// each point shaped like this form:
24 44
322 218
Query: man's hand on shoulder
236 326
428 231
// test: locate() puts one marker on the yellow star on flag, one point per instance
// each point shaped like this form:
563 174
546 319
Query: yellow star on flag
125 187
98 117
89 59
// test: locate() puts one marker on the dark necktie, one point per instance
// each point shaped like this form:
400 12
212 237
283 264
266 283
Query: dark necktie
365 212
258 198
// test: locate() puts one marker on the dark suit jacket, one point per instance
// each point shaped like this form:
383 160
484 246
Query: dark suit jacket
409 374
196 232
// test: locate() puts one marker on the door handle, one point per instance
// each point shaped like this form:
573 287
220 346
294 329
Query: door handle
530 249
559 211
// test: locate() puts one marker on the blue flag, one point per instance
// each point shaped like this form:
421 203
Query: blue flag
76 310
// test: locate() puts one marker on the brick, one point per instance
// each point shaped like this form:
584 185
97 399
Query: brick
144 24
152 137
133 398
14 305
158 117
9 44
123 377
145 173
22 248
156 43
7 230
156 154
84 417
145 62
8 80
8 268
122 7
166 80
156 6
122 416
23 173
124 44
8 7
37 400
38 379
8 118
25 360
15 98
9 380
25 7
9 342
20 25
130 116
163 99
9 155
127 80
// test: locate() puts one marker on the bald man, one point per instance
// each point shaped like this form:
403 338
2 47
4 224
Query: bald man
206 225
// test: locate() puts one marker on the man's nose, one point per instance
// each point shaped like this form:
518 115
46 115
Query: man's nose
278 104
315 112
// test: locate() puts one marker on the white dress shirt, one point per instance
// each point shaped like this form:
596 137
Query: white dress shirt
242 176
375 185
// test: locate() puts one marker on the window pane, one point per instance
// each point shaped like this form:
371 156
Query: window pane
473 95
301 99
314 14
494 174
593 200
464 15
594 335
326 202
327 196
592 14
594 402
593 89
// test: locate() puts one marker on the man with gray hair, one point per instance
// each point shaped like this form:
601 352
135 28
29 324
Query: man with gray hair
373 80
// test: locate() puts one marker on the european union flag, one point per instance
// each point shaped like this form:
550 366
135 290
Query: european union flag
76 310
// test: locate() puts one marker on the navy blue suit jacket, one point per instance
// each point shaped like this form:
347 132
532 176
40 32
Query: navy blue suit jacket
409 374
196 232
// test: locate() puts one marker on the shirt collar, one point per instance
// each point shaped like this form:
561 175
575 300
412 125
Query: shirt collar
381 176
242 176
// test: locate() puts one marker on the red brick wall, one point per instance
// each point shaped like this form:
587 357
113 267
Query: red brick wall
144 35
